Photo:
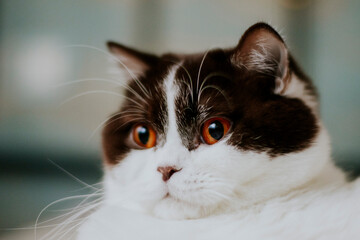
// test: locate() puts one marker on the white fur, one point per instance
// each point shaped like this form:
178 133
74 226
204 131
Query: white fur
261 57
323 212
297 89
232 194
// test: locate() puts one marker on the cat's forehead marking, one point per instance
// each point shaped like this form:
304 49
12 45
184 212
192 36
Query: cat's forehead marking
202 82
171 91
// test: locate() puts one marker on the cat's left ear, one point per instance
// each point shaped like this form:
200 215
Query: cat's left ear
262 50
133 63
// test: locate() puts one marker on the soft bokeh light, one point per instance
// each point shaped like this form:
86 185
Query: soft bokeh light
40 65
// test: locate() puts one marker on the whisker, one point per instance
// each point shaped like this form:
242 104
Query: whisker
71 175
103 122
201 64
88 80
79 189
218 89
67 231
191 89
133 76
77 217
73 219
54 235
51 204
79 206
134 119
32 228
73 208
219 195
127 87
213 74
95 203
99 91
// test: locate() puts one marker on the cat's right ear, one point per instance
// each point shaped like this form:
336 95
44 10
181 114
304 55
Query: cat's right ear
262 50
133 63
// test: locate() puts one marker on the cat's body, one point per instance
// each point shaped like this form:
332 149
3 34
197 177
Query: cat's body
224 144
326 211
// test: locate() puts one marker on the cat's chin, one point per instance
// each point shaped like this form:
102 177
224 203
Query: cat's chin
174 209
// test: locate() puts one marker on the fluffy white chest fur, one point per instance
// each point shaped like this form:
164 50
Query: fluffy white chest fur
225 144
326 209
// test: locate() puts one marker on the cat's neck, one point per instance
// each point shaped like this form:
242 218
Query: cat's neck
328 180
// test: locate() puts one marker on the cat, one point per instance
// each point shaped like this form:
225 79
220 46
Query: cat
223 144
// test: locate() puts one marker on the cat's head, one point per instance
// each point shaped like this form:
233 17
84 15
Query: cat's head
197 134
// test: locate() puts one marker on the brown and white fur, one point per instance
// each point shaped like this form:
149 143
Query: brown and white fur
270 177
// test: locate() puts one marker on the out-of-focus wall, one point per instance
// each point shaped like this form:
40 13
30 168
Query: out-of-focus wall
336 59
47 45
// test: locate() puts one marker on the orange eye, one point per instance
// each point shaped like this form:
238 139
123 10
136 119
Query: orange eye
144 136
215 129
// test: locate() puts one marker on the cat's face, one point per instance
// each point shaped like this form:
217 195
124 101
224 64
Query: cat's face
198 134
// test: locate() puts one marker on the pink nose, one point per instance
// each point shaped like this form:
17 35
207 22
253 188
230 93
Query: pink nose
167 172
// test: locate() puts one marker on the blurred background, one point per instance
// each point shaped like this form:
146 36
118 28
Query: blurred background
55 83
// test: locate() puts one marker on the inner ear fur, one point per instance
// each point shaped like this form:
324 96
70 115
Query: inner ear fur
262 50
133 62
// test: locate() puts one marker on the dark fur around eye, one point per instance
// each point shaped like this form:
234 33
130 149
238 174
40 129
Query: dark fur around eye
262 120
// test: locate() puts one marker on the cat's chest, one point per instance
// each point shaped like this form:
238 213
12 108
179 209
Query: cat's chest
327 214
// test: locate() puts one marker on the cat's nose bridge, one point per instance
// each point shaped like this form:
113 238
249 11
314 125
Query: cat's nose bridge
175 156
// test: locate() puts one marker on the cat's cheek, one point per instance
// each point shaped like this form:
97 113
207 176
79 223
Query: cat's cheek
204 181
186 187
134 183
229 165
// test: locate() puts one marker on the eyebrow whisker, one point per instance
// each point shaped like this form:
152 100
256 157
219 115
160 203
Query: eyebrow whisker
133 76
100 91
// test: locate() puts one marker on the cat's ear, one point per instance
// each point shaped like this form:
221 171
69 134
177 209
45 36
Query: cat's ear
132 62
262 50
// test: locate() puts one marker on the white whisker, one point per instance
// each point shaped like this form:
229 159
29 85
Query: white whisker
133 76
213 74
82 188
71 175
218 89
201 64
96 92
191 89
51 204
73 208
103 80
79 206
75 218
81 80
71 219
103 122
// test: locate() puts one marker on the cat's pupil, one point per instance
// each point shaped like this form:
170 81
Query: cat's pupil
216 130
143 134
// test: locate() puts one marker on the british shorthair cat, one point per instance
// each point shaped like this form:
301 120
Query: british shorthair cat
226 144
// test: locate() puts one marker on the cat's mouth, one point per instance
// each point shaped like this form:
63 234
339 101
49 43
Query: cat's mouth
169 196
